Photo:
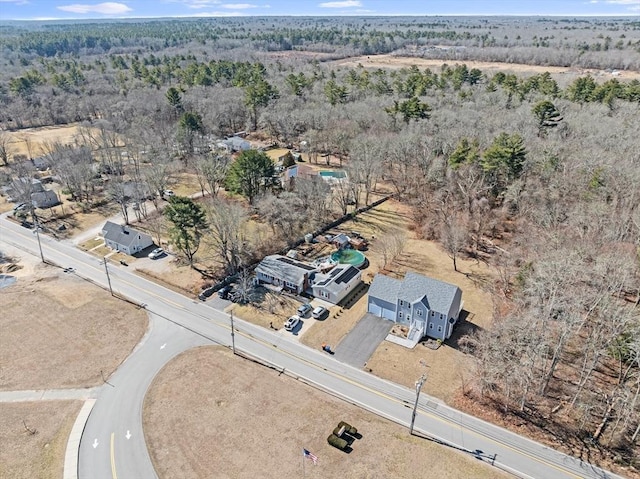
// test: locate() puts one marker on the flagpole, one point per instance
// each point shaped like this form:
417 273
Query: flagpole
304 467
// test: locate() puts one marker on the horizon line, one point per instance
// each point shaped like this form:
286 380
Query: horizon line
199 17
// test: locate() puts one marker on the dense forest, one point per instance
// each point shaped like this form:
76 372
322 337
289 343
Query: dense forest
538 175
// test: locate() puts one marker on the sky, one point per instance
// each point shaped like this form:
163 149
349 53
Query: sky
84 9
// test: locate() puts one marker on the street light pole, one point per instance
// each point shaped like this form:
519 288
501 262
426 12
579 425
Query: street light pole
106 269
233 339
419 384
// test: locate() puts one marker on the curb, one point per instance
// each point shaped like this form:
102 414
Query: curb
73 444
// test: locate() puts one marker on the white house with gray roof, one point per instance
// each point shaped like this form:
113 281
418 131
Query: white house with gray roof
427 306
287 273
124 238
336 284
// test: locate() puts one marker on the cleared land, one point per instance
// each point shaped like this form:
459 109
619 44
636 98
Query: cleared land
213 433
34 142
40 455
391 61
59 331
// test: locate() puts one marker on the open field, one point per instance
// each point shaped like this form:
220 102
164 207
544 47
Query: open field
59 331
209 430
34 142
41 455
491 68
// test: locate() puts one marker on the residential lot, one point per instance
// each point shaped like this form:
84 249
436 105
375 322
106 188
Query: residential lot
212 430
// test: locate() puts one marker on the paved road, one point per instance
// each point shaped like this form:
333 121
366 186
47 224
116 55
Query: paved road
115 455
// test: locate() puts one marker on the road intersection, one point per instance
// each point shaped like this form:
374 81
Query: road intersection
179 323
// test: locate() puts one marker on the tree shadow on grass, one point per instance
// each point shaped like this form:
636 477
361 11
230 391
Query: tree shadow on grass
464 329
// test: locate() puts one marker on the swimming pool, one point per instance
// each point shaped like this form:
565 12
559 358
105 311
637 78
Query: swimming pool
349 256
338 175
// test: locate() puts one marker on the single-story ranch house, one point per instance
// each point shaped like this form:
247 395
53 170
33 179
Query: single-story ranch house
336 284
428 306
124 238
287 273
300 277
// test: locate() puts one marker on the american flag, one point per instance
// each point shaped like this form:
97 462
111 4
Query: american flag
308 454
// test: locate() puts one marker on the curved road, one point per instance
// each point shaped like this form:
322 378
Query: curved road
118 408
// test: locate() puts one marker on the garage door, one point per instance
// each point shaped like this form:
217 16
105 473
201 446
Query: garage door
388 314
381 311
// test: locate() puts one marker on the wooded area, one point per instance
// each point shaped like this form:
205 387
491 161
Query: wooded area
537 175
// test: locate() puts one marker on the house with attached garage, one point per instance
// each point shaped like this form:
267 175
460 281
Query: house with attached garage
124 238
428 307
287 273
336 284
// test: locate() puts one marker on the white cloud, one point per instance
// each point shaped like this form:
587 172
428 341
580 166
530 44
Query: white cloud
106 8
625 2
341 4
238 6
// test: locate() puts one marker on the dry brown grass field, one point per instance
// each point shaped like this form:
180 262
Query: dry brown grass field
246 421
395 62
59 331
40 455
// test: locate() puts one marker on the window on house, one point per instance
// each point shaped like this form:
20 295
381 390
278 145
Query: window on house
433 314
439 329
401 303
400 315
419 312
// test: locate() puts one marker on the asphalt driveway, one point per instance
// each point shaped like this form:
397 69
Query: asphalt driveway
357 347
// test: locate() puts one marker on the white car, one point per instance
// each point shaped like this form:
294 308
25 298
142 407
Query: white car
319 312
156 253
291 323
168 193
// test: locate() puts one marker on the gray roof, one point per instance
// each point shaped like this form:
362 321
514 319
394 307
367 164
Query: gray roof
385 288
44 199
286 269
440 295
336 279
122 234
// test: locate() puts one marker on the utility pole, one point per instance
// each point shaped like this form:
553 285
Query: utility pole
106 269
35 220
419 384
233 339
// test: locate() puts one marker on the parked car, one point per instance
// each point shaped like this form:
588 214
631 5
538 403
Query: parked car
156 253
291 323
319 312
20 207
205 294
168 193
304 309
223 292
